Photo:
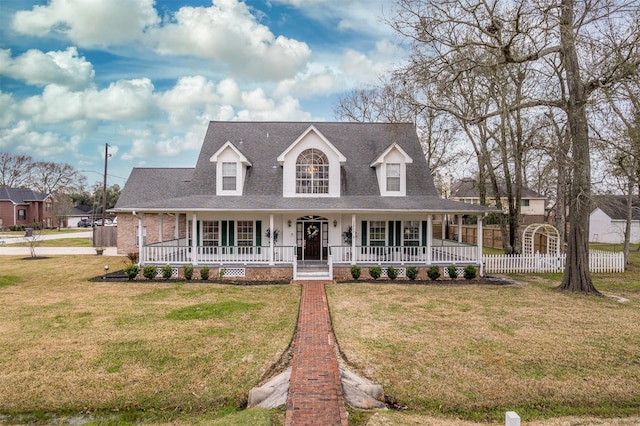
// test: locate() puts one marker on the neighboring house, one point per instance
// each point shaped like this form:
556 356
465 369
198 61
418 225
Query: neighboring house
608 219
78 213
532 204
19 206
334 194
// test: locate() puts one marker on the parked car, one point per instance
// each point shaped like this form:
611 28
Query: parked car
107 222
114 222
85 223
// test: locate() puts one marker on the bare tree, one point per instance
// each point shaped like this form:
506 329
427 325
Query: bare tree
394 102
549 36
15 170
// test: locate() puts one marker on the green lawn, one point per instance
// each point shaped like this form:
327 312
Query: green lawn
158 351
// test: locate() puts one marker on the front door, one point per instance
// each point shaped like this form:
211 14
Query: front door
312 240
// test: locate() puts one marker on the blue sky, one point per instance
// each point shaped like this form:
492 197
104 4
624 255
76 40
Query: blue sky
147 76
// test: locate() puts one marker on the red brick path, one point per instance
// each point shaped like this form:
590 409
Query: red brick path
315 392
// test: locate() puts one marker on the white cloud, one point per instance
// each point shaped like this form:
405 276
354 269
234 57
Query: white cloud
7 109
89 22
41 145
64 68
227 33
122 100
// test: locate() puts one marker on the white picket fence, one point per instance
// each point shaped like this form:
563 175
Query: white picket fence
599 261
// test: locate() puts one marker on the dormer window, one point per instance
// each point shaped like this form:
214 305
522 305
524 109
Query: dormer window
229 176
312 172
231 170
393 177
391 171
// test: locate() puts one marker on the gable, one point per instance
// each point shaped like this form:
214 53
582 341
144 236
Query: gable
360 144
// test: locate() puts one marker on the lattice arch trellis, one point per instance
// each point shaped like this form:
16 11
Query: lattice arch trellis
549 231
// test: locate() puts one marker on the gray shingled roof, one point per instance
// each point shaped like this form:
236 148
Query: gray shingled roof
21 195
615 206
262 143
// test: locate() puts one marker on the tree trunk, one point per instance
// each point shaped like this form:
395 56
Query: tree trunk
577 277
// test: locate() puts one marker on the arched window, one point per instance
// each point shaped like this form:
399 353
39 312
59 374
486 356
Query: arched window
312 172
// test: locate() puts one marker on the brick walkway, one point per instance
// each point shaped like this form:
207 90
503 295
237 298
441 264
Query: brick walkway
315 392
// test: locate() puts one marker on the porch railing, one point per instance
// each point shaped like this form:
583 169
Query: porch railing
182 254
404 254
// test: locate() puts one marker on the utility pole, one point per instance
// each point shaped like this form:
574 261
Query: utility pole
104 192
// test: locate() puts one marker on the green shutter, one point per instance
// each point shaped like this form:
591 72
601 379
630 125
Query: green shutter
424 232
363 232
398 233
390 237
258 233
232 230
224 232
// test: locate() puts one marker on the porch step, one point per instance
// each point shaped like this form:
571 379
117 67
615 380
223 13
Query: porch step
313 273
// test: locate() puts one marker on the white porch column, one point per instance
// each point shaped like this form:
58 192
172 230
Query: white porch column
161 228
140 241
176 228
271 231
480 218
194 239
444 233
429 238
353 239
459 228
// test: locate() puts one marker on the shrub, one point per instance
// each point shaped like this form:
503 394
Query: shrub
412 272
375 272
131 271
469 272
204 273
434 272
355 271
149 272
453 274
188 272
392 273
167 272
221 272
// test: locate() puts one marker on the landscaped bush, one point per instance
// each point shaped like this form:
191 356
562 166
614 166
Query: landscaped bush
188 272
469 272
412 272
204 273
131 271
355 272
221 273
375 272
16 228
149 272
167 272
453 274
392 273
433 272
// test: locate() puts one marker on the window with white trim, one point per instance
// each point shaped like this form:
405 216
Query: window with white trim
22 214
411 232
312 172
229 174
245 233
393 177
377 232
210 233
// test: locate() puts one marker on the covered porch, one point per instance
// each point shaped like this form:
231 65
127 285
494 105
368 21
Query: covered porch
337 240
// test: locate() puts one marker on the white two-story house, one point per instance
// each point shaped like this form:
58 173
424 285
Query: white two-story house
270 199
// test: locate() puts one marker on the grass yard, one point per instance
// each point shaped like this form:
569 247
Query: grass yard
473 352
132 351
